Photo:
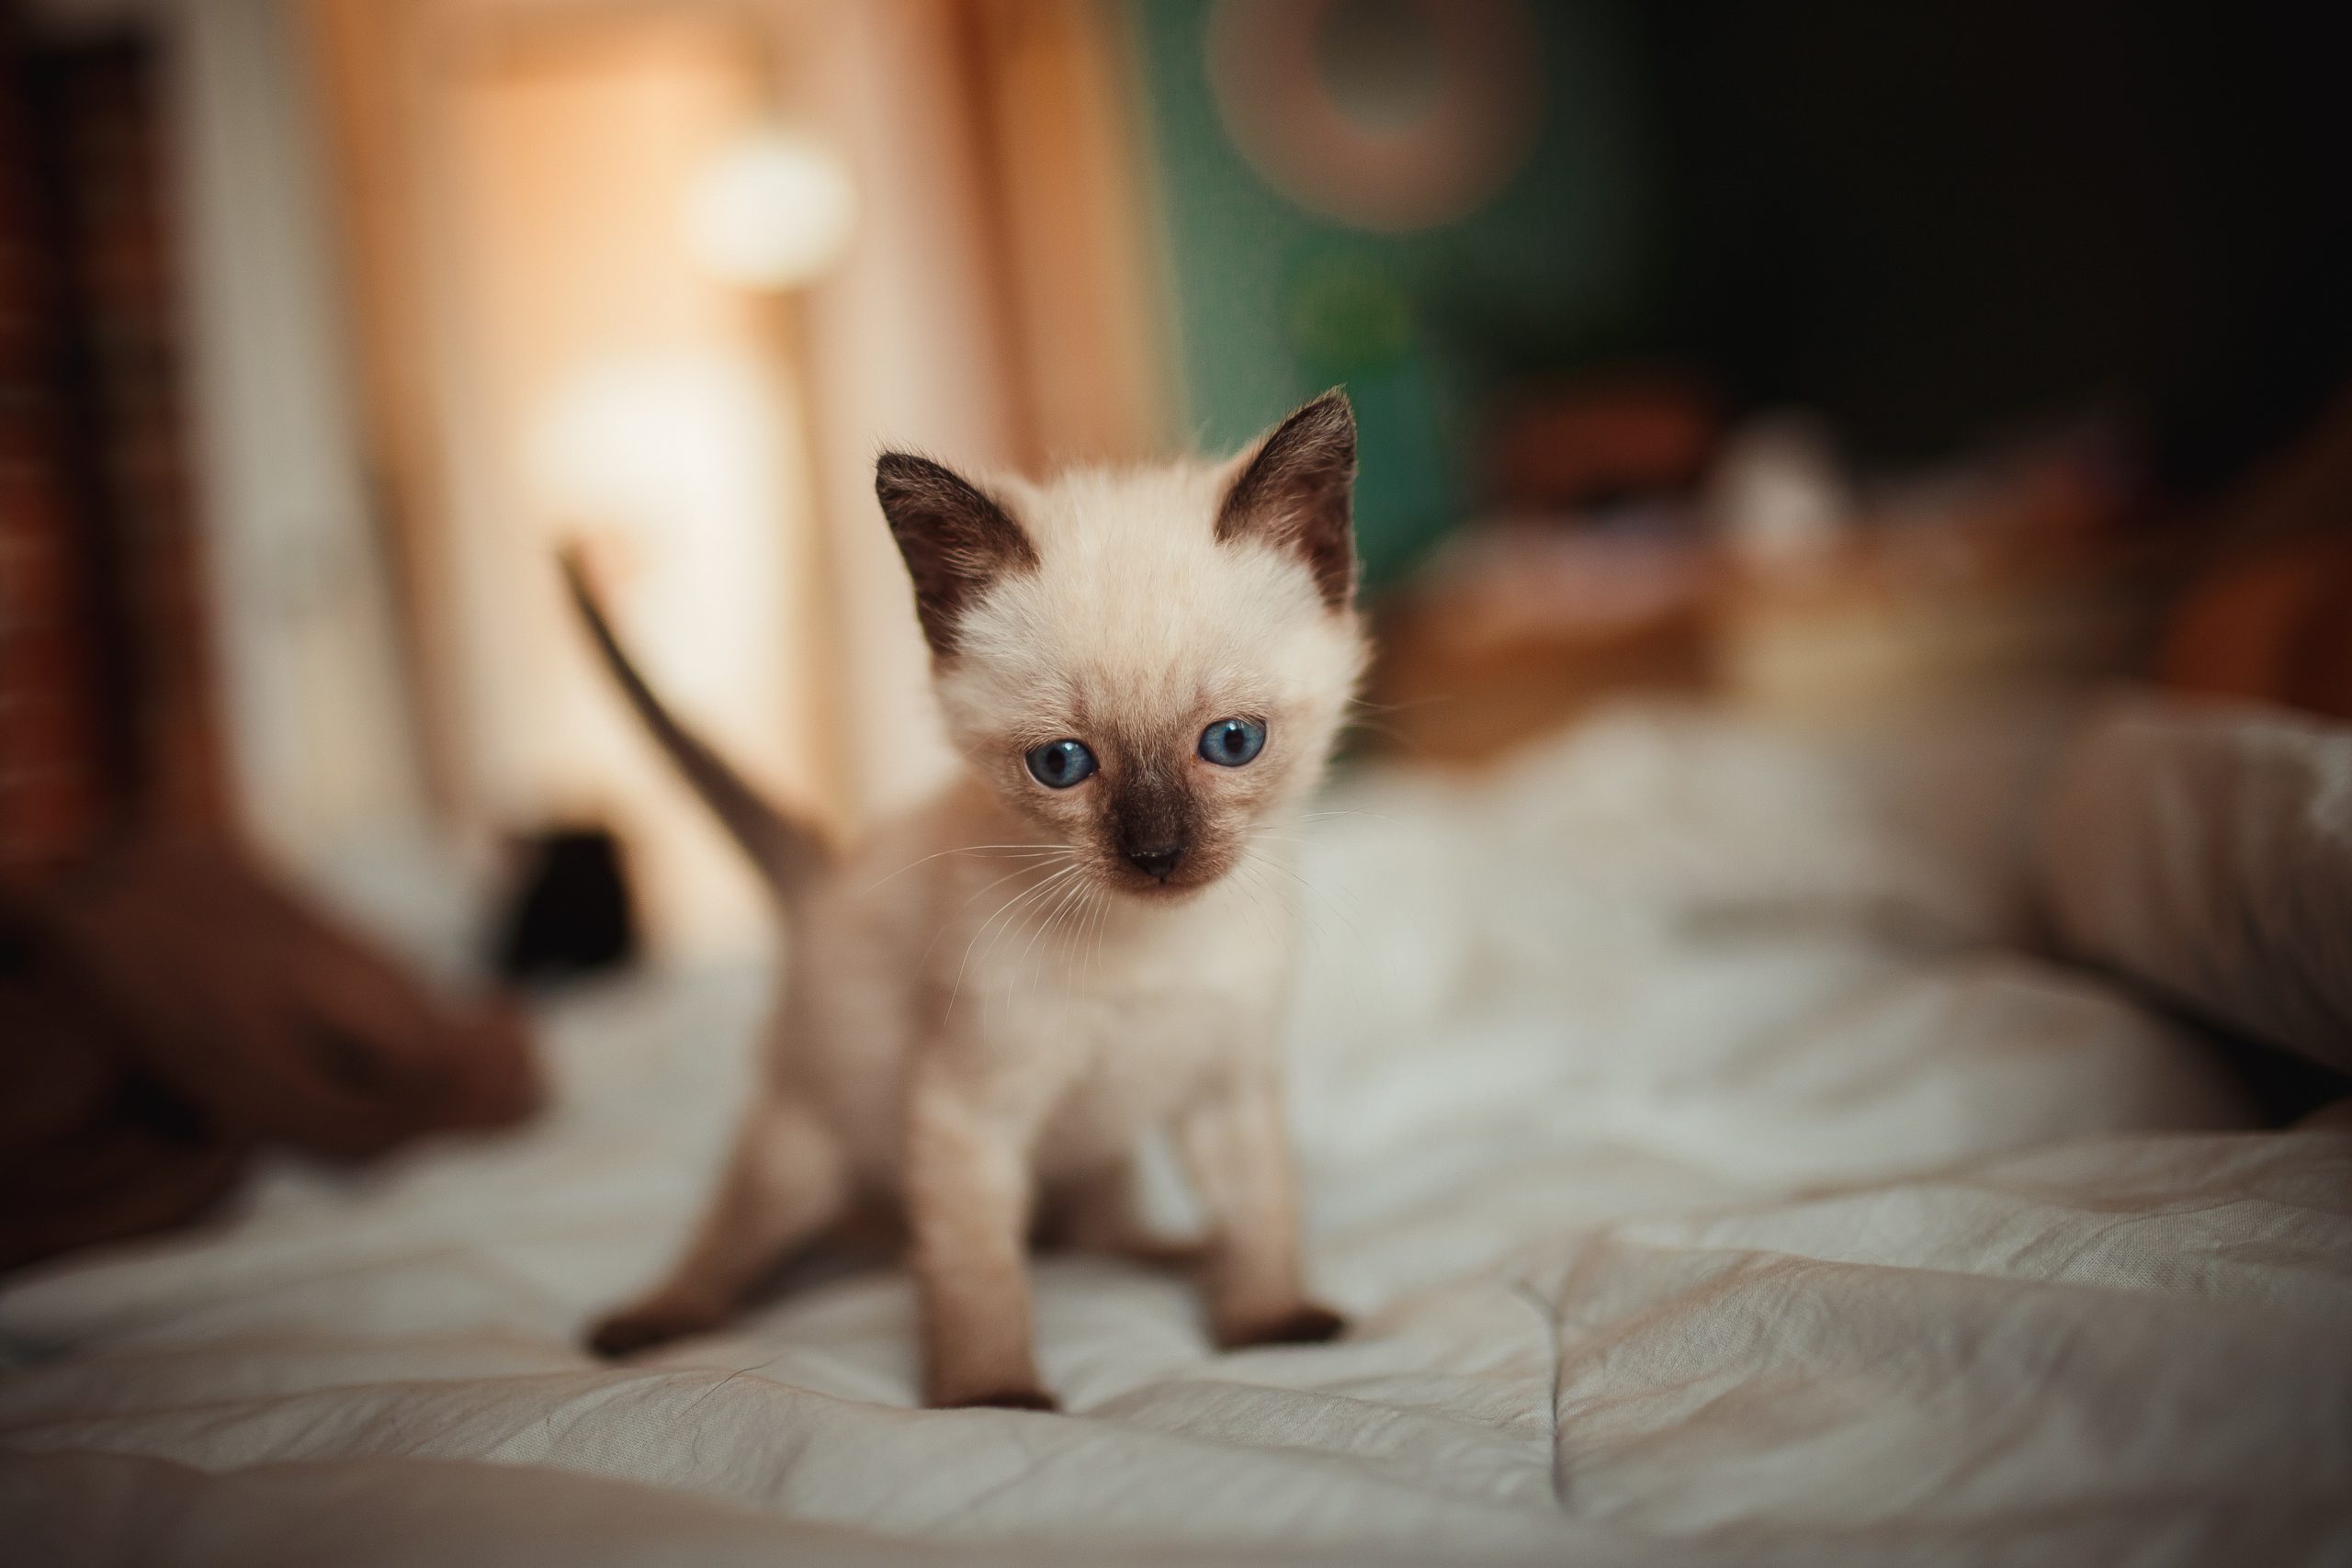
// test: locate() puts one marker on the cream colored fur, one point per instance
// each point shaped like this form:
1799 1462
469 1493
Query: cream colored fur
985 1008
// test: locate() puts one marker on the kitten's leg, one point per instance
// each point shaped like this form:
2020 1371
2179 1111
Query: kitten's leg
1238 1151
969 1194
786 1181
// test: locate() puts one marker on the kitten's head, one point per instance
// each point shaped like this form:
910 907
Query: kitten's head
1145 664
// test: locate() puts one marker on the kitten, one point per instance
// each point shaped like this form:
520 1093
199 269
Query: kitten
1086 937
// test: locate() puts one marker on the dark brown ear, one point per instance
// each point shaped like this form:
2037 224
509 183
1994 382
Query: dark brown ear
1297 492
955 537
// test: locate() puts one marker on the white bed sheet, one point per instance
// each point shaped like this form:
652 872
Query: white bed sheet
1710 1176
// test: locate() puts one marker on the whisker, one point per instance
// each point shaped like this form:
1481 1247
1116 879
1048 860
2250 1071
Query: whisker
1070 928
1299 913
1250 890
1001 911
1390 733
1326 816
1430 701
1018 969
1010 905
1030 849
1078 936
969 901
1102 929
1300 877
1060 904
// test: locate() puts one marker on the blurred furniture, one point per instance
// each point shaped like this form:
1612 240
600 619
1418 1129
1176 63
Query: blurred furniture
169 1009
2271 615
2275 626
1636 432
1512 630
1637 551
1588 580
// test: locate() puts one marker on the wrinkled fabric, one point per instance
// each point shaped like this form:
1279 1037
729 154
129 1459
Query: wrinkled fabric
1709 1171
2205 850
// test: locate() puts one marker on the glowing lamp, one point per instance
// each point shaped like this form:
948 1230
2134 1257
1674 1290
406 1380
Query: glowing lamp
773 210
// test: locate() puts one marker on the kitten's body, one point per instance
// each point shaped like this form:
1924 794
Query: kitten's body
915 918
992 1003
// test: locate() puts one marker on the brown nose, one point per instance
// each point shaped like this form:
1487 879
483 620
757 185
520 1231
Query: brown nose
1156 862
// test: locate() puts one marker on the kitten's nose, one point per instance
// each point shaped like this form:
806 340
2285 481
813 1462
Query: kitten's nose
1156 862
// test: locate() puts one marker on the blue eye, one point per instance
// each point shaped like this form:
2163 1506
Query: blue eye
1058 764
1229 742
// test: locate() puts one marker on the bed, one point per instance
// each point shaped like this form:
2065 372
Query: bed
1712 1169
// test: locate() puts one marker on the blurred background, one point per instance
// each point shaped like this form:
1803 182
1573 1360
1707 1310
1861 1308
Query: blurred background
1819 360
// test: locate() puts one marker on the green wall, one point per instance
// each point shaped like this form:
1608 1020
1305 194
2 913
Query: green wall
1275 303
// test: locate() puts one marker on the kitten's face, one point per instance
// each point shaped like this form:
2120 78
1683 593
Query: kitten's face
1145 665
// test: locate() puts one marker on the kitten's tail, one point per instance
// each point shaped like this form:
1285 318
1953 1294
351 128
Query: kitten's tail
787 853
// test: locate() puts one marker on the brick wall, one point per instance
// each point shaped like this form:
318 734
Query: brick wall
52 781
106 699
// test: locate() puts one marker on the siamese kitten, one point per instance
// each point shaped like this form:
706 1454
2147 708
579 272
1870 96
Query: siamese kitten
1086 936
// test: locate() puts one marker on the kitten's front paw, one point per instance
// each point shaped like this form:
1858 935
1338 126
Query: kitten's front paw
650 1324
1307 1324
1001 1399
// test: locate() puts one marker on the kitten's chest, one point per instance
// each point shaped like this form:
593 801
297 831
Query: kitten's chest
1140 1040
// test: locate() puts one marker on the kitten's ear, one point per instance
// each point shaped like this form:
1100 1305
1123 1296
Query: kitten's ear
1296 491
956 539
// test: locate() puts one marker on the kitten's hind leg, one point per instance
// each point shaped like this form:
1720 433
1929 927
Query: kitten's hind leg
786 1181
1239 1157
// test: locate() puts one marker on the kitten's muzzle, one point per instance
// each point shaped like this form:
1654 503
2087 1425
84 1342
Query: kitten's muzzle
1158 862
1155 824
